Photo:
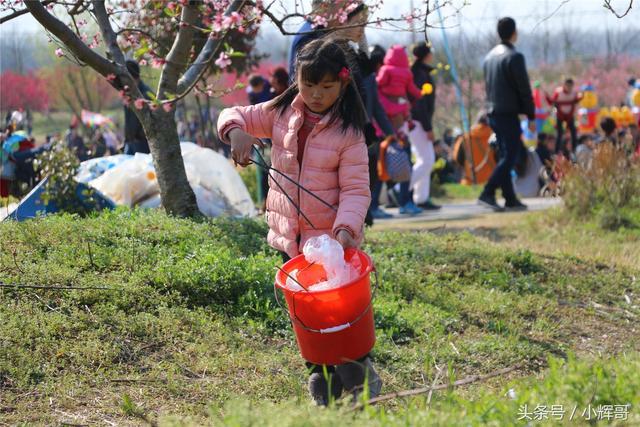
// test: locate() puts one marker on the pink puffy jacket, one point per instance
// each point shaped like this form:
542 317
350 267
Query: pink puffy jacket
335 167
395 77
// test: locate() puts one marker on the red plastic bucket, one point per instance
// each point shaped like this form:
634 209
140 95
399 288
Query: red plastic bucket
333 326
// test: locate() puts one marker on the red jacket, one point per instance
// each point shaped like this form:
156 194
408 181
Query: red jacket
564 102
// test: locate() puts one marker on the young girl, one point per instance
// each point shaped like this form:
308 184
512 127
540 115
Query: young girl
316 128
395 83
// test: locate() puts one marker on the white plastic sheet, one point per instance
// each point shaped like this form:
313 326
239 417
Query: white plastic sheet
131 181
325 251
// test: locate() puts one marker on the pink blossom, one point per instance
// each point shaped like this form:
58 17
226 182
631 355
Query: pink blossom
342 17
111 77
153 106
59 52
319 21
223 60
171 5
167 106
157 62
139 103
143 62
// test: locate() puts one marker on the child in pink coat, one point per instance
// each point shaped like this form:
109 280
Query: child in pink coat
316 128
395 84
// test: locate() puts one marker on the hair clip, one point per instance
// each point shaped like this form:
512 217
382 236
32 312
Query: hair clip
344 74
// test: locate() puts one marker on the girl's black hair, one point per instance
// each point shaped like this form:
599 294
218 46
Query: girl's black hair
320 58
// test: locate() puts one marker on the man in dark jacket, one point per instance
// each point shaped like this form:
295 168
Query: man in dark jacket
508 95
135 141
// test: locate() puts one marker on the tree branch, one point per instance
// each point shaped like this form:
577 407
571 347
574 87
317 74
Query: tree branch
21 12
423 390
607 5
179 52
207 54
109 36
70 39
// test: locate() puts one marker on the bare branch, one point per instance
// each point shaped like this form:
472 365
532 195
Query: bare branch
21 12
109 36
607 5
70 39
552 13
179 52
207 54
418 391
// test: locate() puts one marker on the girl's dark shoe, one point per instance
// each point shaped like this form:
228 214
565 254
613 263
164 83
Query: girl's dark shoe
319 387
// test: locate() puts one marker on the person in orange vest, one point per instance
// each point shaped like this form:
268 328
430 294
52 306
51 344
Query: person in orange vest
565 98
475 155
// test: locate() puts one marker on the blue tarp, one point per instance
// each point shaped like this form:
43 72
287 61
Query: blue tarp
32 205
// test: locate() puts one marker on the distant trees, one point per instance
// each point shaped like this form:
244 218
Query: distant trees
22 90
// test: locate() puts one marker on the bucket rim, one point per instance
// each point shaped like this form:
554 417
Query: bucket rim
284 288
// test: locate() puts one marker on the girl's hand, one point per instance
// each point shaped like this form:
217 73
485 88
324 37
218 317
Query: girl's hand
241 144
345 239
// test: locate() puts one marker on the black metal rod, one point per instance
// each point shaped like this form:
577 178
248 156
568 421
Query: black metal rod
263 164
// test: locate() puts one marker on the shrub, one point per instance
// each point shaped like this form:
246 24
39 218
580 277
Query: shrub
608 189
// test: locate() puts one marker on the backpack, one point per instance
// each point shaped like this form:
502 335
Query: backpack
394 163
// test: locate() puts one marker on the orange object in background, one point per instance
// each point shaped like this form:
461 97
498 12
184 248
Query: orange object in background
333 326
483 159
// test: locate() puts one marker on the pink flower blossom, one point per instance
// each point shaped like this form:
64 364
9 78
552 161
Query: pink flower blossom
171 5
223 61
167 106
139 103
143 62
111 77
342 17
153 106
157 62
319 21
59 52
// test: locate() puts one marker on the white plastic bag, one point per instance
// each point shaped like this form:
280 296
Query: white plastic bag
329 253
128 182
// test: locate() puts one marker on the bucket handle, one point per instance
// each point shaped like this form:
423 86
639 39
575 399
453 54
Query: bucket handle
331 329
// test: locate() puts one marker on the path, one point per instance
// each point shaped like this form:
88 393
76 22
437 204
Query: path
460 210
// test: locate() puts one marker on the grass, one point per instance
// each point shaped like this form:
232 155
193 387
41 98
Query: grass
449 192
188 330
57 122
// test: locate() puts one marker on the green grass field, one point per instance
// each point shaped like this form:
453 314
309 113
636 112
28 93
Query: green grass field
187 331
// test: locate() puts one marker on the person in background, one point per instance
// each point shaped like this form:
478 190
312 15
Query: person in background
564 99
473 153
422 139
75 142
632 87
508 95
608 126
135 140
279 81
259 89
546 148
378 126
447 137
396 86
584 150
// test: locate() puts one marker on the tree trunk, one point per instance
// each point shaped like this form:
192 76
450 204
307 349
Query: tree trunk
175 192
